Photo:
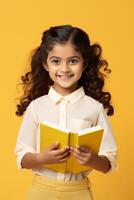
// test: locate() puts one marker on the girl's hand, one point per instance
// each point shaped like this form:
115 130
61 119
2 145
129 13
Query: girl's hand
53 155
84 155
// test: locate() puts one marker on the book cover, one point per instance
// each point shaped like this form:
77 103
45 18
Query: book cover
89 137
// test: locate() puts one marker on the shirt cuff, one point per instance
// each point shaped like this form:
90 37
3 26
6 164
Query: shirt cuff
112 157
20 156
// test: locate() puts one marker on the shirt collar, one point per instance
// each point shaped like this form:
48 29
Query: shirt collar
73 97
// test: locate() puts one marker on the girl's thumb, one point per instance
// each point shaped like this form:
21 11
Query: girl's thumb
55 145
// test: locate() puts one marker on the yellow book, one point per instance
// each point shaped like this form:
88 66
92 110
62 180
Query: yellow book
89 137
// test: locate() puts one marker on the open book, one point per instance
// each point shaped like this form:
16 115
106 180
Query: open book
89 137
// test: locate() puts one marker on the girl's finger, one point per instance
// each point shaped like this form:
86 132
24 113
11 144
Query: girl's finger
80 158
63 160
54 146
84 149
61 151
80 153
62 155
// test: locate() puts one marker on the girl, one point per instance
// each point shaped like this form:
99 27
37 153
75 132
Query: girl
65 87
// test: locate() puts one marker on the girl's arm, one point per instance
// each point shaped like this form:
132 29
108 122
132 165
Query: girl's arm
26 140
26 150
101 163
108 148
48 156
86 157
106 159
29 161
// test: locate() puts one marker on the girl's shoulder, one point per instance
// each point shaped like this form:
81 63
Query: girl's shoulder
93 102
37 105
40 100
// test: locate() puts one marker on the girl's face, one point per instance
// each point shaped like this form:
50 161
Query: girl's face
65 67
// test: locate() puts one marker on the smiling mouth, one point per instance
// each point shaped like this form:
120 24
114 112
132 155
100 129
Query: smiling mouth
64 76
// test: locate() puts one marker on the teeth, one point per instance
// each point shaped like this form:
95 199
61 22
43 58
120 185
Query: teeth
65 76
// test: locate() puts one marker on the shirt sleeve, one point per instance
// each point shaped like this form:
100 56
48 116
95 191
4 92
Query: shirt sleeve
108 146
26 140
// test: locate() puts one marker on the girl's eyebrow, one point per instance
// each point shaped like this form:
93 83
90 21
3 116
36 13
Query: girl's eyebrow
66 58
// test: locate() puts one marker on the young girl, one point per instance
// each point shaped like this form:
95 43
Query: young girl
65 87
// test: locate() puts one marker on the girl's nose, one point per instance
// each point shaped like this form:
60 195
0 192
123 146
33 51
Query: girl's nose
65 67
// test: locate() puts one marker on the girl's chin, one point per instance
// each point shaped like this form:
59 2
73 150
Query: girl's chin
71 86
65 83
66 86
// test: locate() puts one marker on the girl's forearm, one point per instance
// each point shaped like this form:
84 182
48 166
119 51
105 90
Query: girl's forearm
30 160
100 163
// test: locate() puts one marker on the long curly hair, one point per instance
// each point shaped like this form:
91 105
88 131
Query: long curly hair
37 82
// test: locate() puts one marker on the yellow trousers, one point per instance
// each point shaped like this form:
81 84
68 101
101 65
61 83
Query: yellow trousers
44 188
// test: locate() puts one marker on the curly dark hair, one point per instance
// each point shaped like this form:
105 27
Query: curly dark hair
37 82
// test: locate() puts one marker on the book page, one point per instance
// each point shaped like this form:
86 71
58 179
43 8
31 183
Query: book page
89 130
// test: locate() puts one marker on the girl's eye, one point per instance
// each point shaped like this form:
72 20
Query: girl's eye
73 61
55 61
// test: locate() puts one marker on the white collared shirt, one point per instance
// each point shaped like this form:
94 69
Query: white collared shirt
75 111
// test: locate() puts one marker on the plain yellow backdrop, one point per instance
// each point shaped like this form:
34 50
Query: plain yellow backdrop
108 22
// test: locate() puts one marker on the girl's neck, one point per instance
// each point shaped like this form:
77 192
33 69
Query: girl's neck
65 91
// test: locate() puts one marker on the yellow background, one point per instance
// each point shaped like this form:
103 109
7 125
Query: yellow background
107 22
